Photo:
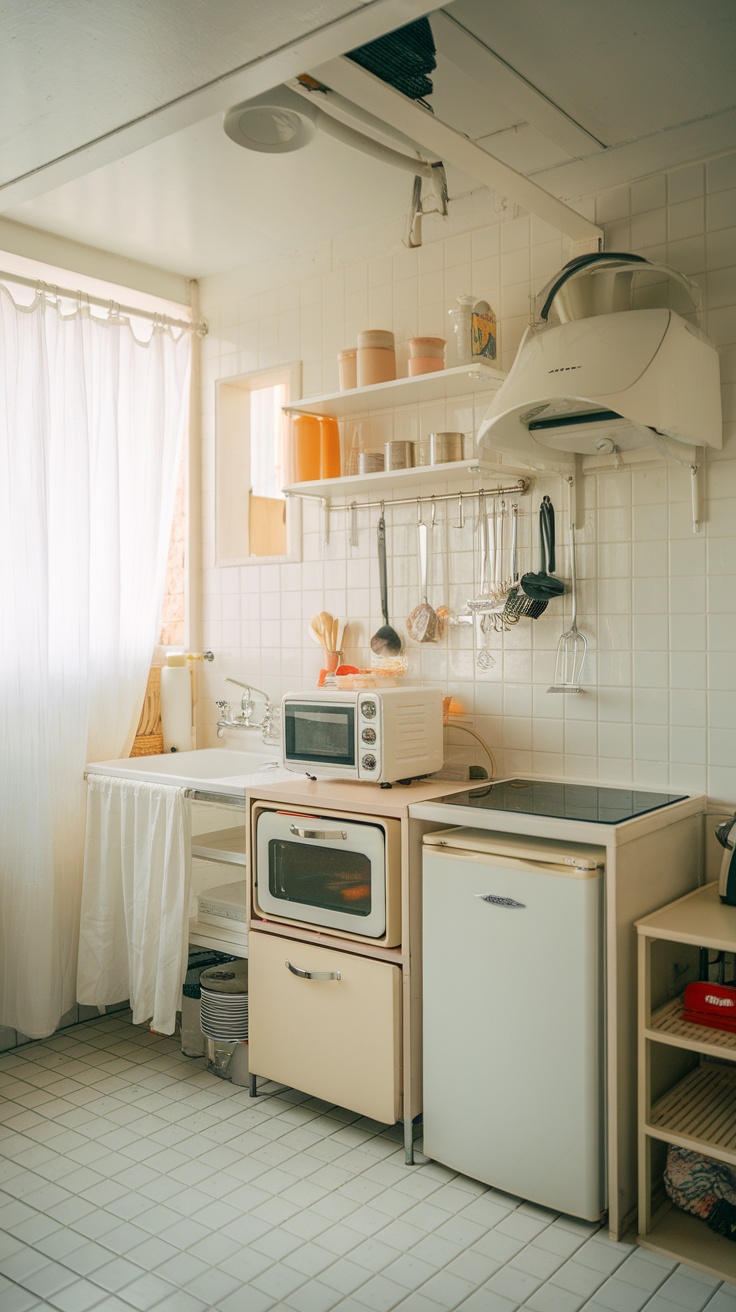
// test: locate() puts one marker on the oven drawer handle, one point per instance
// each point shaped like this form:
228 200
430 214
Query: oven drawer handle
313 974
320 834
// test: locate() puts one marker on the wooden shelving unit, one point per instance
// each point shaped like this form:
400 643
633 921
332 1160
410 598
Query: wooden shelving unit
696 1108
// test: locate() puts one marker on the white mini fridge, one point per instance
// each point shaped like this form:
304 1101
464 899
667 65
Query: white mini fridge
513 1015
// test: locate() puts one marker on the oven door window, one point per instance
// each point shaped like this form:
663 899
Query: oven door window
323 734
320 877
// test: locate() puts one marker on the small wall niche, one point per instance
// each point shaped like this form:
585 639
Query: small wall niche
254 522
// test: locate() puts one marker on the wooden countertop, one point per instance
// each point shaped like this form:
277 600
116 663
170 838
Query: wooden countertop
360 798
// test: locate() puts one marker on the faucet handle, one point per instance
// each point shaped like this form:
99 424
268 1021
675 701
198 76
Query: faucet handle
224 706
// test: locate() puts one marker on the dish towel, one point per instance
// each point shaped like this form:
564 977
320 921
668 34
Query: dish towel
135 899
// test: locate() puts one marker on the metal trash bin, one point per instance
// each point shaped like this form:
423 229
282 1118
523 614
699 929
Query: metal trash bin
192 1039
224 1020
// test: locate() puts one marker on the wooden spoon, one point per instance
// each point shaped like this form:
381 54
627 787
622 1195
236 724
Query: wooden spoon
326 629
315 631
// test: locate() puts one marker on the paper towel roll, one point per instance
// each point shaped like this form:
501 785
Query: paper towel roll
176 704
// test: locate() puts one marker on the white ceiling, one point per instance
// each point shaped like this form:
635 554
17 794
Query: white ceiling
111 117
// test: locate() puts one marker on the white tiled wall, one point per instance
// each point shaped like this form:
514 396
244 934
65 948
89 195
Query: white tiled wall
655 601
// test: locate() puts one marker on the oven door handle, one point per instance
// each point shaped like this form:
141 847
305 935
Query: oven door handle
319 834
313 974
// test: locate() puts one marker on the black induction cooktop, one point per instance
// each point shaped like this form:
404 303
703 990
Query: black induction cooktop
592 802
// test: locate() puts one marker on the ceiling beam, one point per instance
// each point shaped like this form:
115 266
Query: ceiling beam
445 143
688 143
475 60
367 21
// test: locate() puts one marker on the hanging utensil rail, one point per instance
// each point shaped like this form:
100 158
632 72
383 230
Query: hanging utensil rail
518 488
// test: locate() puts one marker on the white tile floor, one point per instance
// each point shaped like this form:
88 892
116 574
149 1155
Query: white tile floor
130 1177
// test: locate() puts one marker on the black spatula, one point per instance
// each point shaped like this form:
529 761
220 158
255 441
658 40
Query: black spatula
543 586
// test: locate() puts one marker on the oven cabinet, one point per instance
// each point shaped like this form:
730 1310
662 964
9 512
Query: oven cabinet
327 1022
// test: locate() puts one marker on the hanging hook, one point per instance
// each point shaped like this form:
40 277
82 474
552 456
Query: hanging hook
419 510
383 509
434 512
461 512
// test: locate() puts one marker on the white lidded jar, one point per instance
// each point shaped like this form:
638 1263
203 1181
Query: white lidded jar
176 704
459 348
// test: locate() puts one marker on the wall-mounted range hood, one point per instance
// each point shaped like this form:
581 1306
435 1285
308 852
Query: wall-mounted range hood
609 377
605 384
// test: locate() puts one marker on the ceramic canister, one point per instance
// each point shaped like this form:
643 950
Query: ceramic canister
376 358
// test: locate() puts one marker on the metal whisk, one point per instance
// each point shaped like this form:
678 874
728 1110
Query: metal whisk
573 644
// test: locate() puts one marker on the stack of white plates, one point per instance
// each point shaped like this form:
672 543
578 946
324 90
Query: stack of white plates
224 1001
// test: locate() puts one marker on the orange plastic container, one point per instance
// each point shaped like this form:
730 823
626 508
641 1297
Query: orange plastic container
307 447
329 447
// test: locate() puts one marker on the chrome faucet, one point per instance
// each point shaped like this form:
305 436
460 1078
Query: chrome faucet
268 723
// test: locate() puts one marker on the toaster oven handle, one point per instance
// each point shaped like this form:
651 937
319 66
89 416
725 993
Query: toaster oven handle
313 974
320 834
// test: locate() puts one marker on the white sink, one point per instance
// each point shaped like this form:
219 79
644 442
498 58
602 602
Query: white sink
210 769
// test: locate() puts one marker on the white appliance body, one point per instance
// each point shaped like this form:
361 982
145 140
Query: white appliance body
614 381
513 1015
370 735
336 872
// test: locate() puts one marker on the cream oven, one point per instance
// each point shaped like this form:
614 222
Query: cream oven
336 872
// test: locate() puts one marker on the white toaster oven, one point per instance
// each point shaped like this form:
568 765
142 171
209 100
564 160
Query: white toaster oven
371 735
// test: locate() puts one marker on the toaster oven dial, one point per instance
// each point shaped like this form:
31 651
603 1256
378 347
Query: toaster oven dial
369 762
368 735
368 710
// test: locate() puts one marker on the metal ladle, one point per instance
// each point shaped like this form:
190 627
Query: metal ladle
385 641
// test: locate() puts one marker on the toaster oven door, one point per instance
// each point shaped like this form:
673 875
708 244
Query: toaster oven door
320 734
324 871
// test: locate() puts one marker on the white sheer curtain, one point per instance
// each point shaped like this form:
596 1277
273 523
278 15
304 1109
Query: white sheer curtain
91 423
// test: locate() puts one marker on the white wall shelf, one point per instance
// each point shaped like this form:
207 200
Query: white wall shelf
423 477
401 391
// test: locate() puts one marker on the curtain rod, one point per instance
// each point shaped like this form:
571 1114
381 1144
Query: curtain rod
201 328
